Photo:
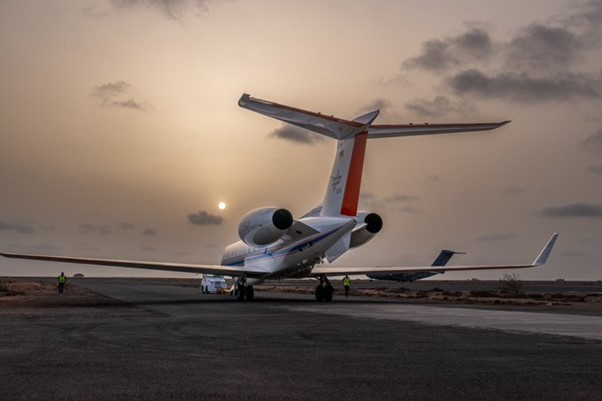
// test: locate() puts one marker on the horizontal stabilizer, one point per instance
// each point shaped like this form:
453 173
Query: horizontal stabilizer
337 271
331 126
339 128
388 131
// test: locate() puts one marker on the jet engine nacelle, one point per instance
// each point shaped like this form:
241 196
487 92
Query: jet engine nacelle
264 226
360 235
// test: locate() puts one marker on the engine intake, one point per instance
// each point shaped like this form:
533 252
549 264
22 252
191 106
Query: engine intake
264 226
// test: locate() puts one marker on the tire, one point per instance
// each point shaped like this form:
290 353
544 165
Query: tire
249 293
240 293
319 293
328 293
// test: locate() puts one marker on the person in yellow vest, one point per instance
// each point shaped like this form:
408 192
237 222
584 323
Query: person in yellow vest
346 285
62 279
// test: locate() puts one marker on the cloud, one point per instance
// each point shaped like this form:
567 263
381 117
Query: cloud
20 228
570 253
202 217
514 191
593 142
434 177
475 42
294 134
423 108
368 199
595 169
587 17
575 209
438 107
172 9
496 237
110 89
393 202
149 232
437 55
95 228
590 239
539 62
367 196
400 198
116 94
543 47
410 210
381 104
127 104
525 88
126 226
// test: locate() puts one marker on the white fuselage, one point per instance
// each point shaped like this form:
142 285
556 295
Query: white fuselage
289 258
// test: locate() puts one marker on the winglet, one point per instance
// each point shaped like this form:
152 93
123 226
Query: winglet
545 252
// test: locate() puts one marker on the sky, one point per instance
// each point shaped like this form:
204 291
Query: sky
120 131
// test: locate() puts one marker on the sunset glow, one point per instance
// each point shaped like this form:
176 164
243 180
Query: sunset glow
120 118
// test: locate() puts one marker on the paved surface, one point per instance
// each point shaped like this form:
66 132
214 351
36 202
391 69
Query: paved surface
528 287
168 342
587 327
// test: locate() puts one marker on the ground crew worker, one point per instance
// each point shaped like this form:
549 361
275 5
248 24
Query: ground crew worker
346 285
62 279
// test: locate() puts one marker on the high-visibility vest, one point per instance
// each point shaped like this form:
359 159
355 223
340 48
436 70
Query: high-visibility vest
347 282
62 279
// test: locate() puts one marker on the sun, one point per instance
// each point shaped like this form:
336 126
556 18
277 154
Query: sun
221 205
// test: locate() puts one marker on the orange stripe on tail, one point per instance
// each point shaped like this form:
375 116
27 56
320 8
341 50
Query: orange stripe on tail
354 179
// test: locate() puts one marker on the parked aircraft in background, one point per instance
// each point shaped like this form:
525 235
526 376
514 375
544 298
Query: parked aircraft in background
441 260
274 245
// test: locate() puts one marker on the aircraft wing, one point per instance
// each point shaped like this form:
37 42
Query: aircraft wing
250 271
387 131
338 271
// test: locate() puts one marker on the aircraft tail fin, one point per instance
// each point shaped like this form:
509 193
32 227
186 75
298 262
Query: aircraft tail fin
342 194
444 257
343 190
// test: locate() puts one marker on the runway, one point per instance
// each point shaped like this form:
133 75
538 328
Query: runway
167 341
587 327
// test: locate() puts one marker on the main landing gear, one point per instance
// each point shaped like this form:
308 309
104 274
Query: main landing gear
244 291
324 290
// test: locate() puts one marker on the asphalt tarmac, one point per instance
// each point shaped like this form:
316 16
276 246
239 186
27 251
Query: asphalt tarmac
165 341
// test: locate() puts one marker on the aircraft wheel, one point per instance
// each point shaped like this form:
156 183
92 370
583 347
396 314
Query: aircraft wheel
320 293
240 293
328 293
249 293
